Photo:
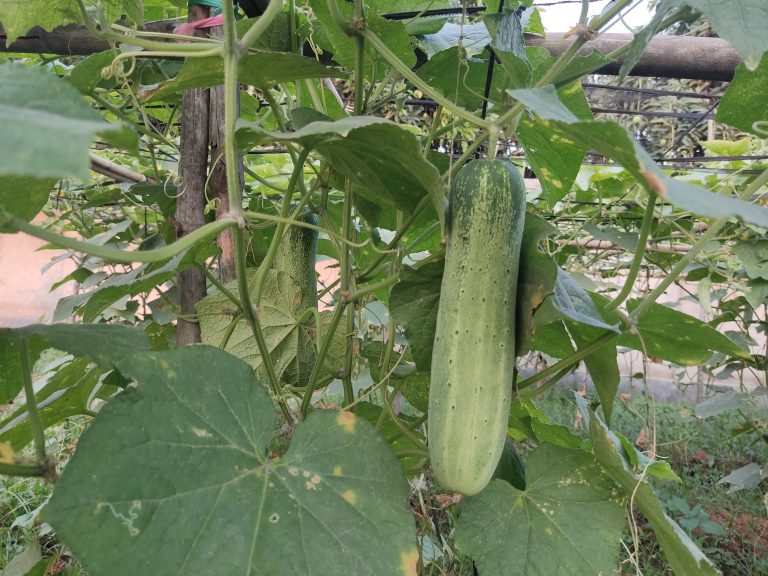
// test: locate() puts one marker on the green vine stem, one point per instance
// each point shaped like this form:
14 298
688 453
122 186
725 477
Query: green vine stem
565 363
221 288
711 234
423 203
23 470
35 422
231 86
637 261
260 26
583 36
325 346
285 211
412 77
115 254
229 331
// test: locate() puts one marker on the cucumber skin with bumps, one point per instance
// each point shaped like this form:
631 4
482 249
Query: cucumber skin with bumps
473 357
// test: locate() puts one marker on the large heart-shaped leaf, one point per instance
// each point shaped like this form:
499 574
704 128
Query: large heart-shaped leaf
280 311
279 308
567 521
173 477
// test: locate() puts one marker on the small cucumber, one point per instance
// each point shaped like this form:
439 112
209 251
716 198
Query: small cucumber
296 255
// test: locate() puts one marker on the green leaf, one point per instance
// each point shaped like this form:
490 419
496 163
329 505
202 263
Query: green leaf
757 293
11 373
545 102
555 159
511 467
471 37
744 478
416 391
354 147
276 38
535 280
34 103
741 22
508 45
256 68
677 337
459 77
552 339
744 103
413 304
19 16
602 364
66 393
390 432
141 279
627 240
545 431
343 46
173 476
25 561
278 313
570 301
754 257
614 141
86 75
103 344
24 197
721 402
728 147
682 553
513 532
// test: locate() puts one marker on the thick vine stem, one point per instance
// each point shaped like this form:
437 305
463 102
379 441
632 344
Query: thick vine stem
22 470
115 254
231 86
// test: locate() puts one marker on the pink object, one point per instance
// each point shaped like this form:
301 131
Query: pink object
188 29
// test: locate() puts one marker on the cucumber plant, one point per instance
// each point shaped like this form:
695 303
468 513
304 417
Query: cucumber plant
292 440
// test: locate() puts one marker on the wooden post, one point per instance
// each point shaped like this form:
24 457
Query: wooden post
190 205
218 180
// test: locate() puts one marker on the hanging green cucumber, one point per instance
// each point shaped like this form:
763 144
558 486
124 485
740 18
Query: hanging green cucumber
296 255
473 358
